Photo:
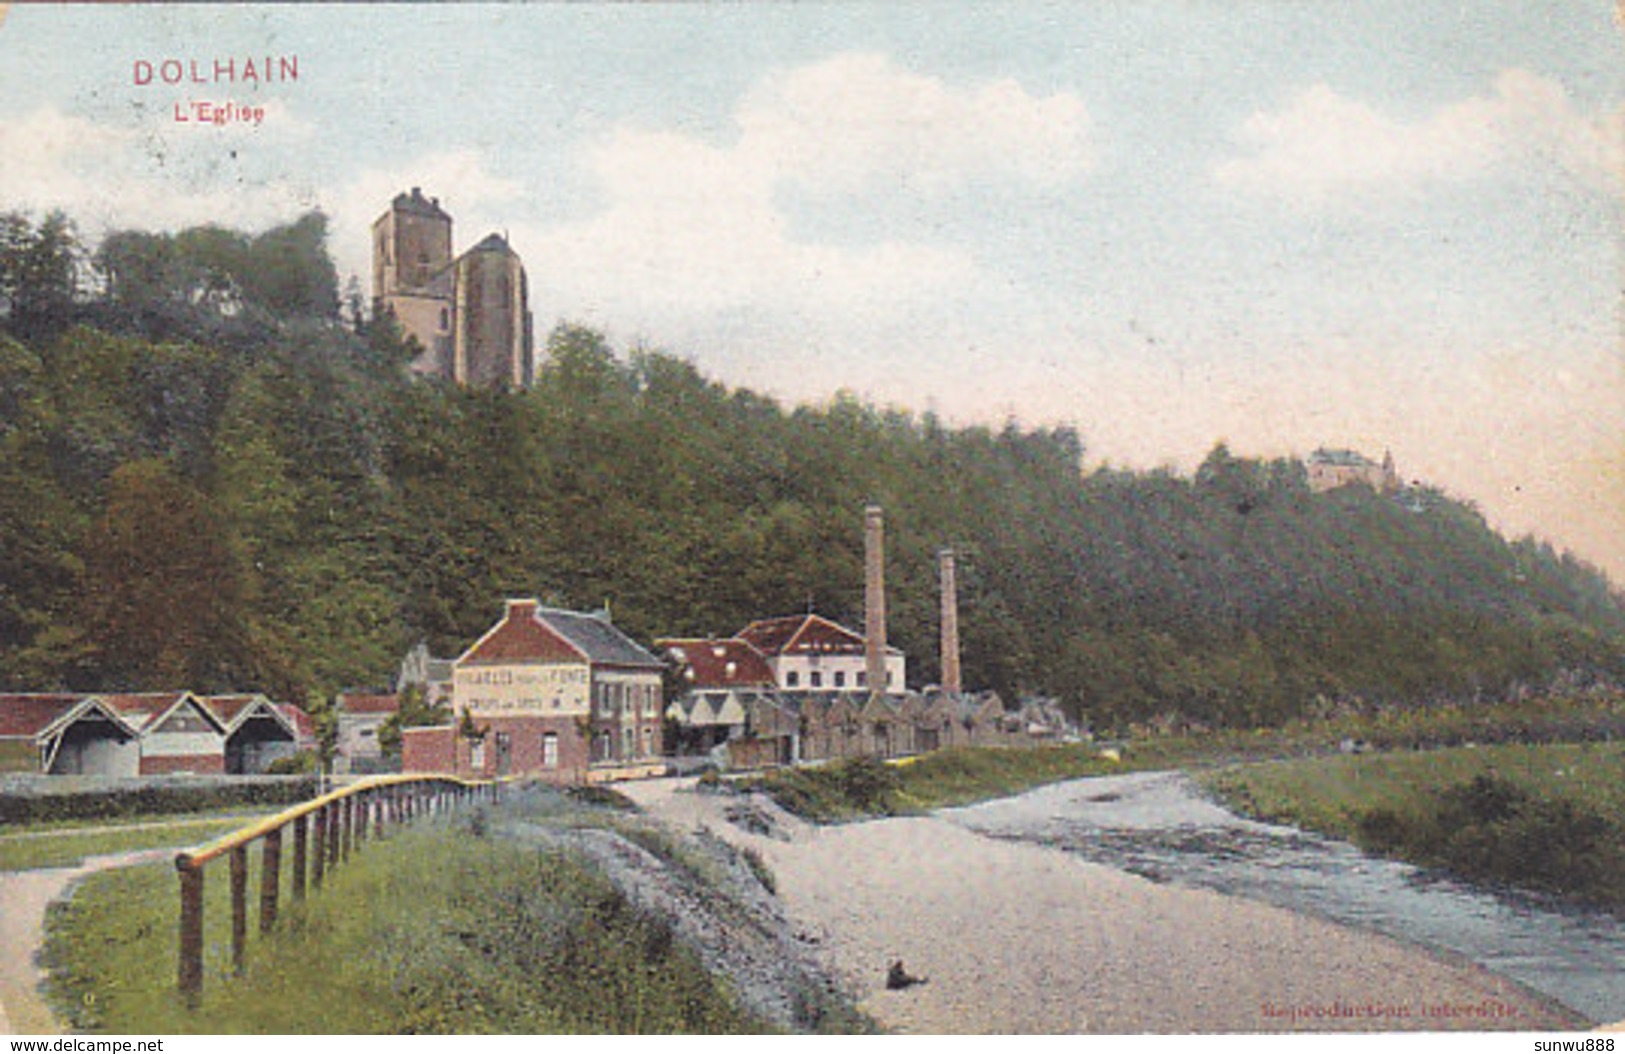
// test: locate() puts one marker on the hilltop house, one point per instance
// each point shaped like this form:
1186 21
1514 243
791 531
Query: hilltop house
553 694
1330 469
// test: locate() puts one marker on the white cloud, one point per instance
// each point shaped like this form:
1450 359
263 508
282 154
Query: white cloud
156 174
693 227
856 122
1325 145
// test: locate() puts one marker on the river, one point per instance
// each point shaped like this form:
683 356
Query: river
1160 825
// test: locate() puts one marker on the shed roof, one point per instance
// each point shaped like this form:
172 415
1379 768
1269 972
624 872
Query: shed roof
24 715
145 710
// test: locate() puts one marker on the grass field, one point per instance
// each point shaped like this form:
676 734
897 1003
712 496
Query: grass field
1544 818
68 844
434 930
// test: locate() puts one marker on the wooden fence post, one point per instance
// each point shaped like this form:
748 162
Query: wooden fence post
335 812
300 840
239 908
270 878
190 967
318 855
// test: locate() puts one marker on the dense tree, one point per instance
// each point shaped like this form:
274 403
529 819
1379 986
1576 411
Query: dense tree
164 599
220 485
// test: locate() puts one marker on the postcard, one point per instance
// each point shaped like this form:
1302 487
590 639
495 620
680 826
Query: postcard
950 518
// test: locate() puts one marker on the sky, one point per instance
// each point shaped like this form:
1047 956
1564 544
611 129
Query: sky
1276 224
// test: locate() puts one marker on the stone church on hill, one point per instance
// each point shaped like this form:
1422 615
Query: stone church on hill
470 315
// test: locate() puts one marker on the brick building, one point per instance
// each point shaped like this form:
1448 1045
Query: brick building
548 693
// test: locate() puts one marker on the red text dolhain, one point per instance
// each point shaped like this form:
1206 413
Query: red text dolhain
269 69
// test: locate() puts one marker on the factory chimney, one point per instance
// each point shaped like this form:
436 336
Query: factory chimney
950 624
874 598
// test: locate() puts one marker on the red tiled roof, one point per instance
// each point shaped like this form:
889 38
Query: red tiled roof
141 709
227 707
368 703
27 713
801 634
522 637
302 722
720 663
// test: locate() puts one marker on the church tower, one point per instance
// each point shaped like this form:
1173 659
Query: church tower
470 315
492 343
412 276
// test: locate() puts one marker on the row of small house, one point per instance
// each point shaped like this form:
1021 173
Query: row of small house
552 694
149 733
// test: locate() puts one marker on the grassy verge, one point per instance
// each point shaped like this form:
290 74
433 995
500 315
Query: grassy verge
435 930
1541 818
65 845
863 787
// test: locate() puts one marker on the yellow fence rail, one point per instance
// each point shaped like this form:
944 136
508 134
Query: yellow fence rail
325 831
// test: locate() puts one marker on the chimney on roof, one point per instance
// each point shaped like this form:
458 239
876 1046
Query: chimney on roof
950 624
874 598
525 608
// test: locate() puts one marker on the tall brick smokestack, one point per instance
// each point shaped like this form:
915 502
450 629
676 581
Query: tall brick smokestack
950 624
874 598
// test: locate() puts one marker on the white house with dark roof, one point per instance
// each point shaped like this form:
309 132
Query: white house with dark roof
810 653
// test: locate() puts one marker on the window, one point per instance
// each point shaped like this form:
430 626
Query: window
817 679
445 319
476 755
840 678
792 679
550 750
862 679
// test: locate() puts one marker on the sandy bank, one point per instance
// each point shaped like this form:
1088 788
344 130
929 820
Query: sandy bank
1017 938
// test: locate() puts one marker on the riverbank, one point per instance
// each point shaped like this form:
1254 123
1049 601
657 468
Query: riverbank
1022 938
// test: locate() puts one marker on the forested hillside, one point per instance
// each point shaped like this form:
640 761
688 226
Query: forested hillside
215 475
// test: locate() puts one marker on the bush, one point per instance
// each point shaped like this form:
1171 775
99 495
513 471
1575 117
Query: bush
1489 829
48 798
867 784
306 761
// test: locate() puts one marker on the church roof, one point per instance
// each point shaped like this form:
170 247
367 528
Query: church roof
492 243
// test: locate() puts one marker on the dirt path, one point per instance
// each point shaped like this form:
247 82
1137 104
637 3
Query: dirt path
24 898
1020 938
